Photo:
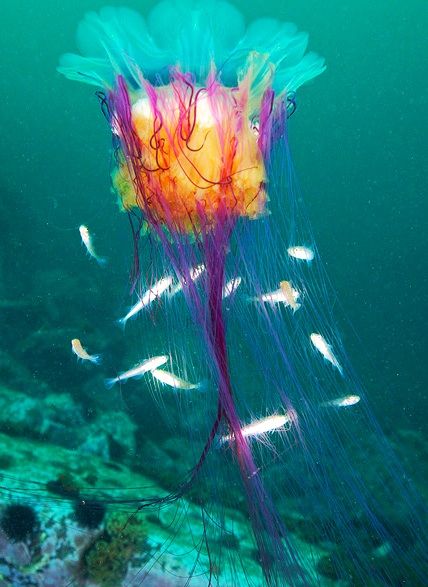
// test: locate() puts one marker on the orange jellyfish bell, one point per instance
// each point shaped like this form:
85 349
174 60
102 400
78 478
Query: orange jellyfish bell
193 153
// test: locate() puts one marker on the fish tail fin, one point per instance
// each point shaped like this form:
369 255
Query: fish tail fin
97 359
219 443
102 261
296 307
110 382
250 299
121 322
203 385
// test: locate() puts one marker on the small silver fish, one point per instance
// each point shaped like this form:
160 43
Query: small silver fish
148 297
301 253
137 371
326 350
231 286
77 348
289 294
278 422
195 273
172 380
342 402
87 241
277 297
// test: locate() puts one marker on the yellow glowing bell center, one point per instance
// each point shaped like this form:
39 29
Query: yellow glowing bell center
197 156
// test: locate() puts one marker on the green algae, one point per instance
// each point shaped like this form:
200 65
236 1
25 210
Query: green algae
106 560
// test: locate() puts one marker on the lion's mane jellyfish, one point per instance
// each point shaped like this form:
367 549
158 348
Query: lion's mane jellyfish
199 107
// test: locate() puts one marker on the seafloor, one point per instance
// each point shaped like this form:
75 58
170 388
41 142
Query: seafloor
58 465
60 486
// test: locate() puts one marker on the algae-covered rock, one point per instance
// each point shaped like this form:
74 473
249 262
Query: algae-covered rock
154 547
105 562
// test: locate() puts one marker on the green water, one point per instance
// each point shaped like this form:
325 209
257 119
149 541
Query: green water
359 141
359 144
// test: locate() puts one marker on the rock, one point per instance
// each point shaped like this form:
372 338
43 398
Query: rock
58 559
111 436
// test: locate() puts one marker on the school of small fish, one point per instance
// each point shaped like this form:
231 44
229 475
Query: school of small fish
286 295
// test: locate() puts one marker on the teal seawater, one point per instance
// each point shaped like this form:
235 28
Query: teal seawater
359 145
359 142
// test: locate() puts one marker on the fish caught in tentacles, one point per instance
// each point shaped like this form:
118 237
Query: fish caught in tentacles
301 253
342 402
231 286
286 294
289 295
172 380
326 350
137 371
195 273
275 422
147 298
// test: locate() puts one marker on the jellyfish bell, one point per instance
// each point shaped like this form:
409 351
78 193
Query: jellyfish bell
187 84
190 158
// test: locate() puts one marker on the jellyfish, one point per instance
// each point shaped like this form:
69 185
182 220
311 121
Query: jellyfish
199 105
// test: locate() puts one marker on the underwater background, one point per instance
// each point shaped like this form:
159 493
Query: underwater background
359 142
